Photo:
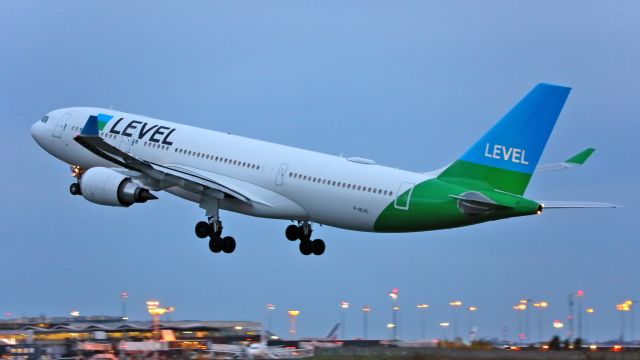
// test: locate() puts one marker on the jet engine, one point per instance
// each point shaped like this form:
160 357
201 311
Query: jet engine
107 187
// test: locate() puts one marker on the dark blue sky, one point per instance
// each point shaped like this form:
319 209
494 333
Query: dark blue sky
410 84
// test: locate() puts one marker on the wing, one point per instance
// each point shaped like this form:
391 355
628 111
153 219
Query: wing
574 161
576 205
158 176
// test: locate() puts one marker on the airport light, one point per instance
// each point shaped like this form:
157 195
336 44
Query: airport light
344 305
154 309
366 309
74 313
293 314
558 324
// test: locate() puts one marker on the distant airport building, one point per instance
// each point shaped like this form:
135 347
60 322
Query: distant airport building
68 332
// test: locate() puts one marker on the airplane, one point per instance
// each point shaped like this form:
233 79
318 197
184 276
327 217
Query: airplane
119 159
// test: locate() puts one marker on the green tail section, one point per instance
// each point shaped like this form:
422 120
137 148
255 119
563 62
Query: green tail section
476 176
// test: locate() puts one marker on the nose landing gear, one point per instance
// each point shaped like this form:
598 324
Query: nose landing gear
76 172
303 233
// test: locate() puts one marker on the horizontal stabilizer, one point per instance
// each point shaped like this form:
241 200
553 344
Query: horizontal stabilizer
574 161
576 205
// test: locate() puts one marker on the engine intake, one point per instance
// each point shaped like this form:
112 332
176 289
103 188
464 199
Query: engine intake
107 187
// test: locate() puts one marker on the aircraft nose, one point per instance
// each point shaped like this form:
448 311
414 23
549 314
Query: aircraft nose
38 132
35 130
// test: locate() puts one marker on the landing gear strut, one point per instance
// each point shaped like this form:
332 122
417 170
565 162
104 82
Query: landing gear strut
213 230
213 227
303 233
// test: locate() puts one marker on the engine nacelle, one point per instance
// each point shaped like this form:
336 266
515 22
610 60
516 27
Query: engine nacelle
107 187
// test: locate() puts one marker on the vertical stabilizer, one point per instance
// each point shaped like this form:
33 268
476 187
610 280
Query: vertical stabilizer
506 156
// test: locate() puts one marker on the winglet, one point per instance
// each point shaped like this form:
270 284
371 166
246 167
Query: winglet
581 157
90 127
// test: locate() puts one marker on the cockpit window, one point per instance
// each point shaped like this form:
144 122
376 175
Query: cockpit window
45 118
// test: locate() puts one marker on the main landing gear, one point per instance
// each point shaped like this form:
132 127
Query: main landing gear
213 230
303 233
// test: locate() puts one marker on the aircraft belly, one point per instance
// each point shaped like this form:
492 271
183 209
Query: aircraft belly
281 207
347 212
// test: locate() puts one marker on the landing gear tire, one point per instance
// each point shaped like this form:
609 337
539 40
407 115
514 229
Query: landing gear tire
292 232
203 229
74 189
306 247
228 244
216 244
317 247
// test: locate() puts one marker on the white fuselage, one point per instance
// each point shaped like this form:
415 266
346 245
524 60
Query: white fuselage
293 183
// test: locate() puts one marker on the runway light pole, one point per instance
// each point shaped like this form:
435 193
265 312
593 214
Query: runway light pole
366 309
519 308
540 306
623 308
472 332
444 326
393 294
454 305
124 296
293 314
344 306
590 311
270 308
579 294
423 325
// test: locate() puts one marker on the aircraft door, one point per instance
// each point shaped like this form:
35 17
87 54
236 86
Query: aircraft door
61 125
281 172
125 143
404 196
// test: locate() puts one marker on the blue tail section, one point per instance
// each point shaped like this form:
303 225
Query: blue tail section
516 142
